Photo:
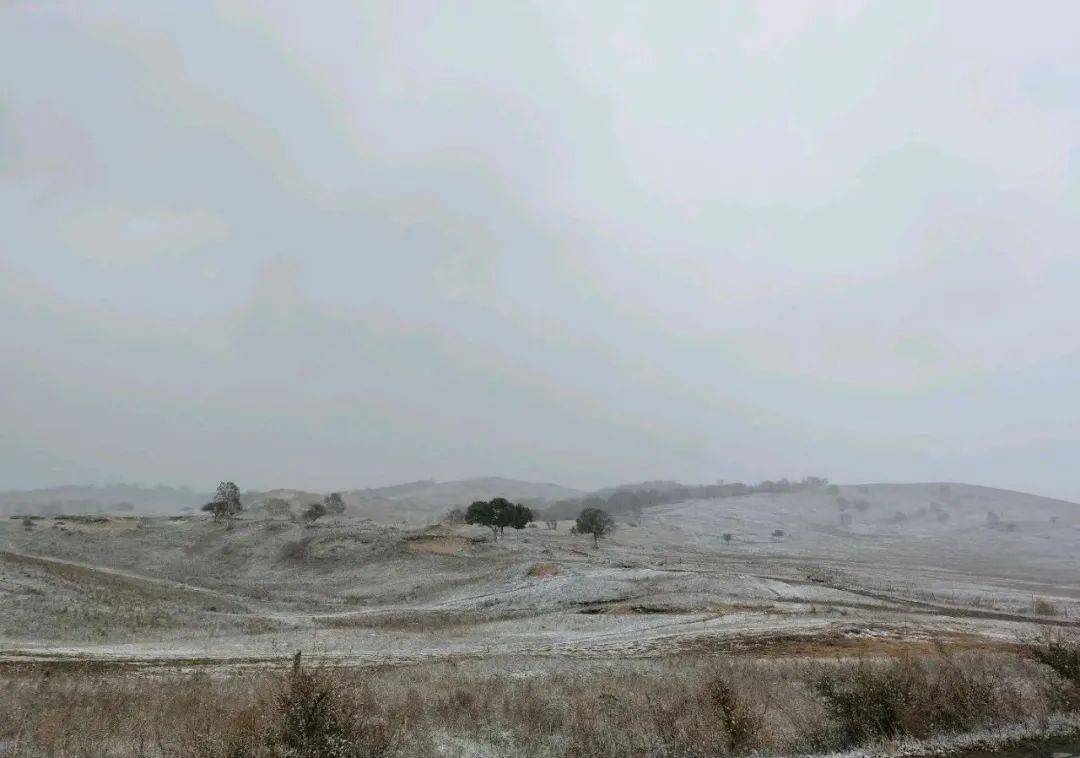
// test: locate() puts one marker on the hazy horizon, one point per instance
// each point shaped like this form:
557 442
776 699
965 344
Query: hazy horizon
337 246
209 488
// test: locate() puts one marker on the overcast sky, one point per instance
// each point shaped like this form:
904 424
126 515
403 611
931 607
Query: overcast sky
346 244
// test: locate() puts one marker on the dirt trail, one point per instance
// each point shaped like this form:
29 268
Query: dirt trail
41 560
938 609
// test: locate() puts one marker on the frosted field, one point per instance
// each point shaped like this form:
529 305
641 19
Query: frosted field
359 590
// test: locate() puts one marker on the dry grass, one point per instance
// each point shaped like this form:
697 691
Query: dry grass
1060 651
438 544
699 707
909 697
48 599
543 570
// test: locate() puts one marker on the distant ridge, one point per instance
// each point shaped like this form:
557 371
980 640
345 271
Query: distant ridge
428 497
422 497
119 498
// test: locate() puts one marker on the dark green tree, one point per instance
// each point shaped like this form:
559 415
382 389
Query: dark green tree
502 511
480 512
597 522
497 514
520 516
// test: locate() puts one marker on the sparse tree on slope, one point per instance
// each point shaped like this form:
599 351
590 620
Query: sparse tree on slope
226 503
314 512
481 512
520 516
334 504
497 514
597 522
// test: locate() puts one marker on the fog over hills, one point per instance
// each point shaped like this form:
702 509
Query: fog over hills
429 499
294 295
426 495
110 498
563 242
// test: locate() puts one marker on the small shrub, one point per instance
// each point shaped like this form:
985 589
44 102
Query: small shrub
727 537
314 717
314 512
909 698
741 725
1061 652
295 551
1043 607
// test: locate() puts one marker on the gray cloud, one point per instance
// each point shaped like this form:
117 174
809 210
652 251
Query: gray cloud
348 245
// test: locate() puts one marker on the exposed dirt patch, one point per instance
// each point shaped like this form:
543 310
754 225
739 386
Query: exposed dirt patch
543 570
438 544
96 525
628 608
620 608
426 621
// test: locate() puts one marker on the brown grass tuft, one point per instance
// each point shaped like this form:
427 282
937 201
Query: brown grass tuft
543 570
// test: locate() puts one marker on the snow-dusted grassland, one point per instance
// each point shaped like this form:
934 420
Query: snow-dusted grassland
864 572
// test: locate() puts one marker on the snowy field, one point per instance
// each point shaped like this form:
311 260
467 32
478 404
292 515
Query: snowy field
861 569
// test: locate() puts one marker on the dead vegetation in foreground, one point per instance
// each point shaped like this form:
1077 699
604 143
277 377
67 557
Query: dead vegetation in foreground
704 707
